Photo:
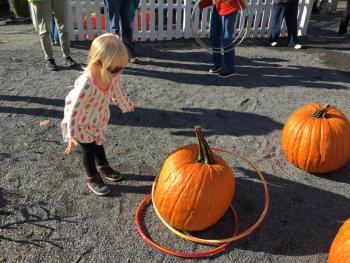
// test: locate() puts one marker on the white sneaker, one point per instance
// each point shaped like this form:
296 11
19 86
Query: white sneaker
273 44
132 59
297 46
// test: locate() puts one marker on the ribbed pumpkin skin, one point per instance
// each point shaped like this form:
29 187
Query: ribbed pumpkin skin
193 196
317 145
340 248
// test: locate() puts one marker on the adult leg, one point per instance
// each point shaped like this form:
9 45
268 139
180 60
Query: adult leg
276 21
113 15
292 23
60 9
344 22
52 29
215 37
125 15
228 23
33 16
56 35
43 12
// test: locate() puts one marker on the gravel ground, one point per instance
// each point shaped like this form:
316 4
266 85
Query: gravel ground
46 211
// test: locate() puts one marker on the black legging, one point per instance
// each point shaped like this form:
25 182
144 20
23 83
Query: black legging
93 155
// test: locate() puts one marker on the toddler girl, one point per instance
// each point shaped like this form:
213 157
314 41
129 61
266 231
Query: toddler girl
86 111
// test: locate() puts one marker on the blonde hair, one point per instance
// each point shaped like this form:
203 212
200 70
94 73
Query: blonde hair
104 50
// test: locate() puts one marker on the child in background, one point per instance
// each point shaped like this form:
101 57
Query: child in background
222 26
86 111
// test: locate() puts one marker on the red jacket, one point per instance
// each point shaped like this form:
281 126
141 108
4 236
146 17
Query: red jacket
224 7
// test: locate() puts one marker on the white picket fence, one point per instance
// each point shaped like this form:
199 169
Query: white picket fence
171 19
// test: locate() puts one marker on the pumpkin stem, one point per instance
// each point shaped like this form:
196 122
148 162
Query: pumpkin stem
205 155
322 112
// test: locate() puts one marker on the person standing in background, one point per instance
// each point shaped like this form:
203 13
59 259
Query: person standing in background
54 32
42 11
288 10
119 10
222 26
344 22
133 7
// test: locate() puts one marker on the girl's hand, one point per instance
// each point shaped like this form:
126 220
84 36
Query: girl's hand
70 146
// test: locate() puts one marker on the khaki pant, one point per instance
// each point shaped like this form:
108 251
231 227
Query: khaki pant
42 12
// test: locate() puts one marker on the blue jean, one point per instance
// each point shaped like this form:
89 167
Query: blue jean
288 11
119 10
221 35
54 31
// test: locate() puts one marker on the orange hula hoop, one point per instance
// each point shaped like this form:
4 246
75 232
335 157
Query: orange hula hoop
201 254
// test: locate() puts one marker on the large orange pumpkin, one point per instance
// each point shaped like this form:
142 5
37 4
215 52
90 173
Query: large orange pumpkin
195 187
317 139
340 248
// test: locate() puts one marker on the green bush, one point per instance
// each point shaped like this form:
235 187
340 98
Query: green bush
20 8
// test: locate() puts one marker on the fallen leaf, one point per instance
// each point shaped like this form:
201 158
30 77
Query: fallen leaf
44 122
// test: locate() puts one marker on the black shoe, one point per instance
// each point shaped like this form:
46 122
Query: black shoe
226 74
70 62
97 186
109 173
215 69
342 30
50 64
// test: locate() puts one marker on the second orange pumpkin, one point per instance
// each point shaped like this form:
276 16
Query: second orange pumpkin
315 138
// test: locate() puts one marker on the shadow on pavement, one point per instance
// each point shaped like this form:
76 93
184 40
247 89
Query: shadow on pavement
214 121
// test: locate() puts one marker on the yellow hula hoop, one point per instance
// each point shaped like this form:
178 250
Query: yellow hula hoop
224 240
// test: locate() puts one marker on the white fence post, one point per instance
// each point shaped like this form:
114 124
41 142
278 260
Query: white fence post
97 7
168 19
152 17
179 7
160 20
187 19
304 13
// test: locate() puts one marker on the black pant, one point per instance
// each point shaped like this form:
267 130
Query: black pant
93 155
344 22
289 12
